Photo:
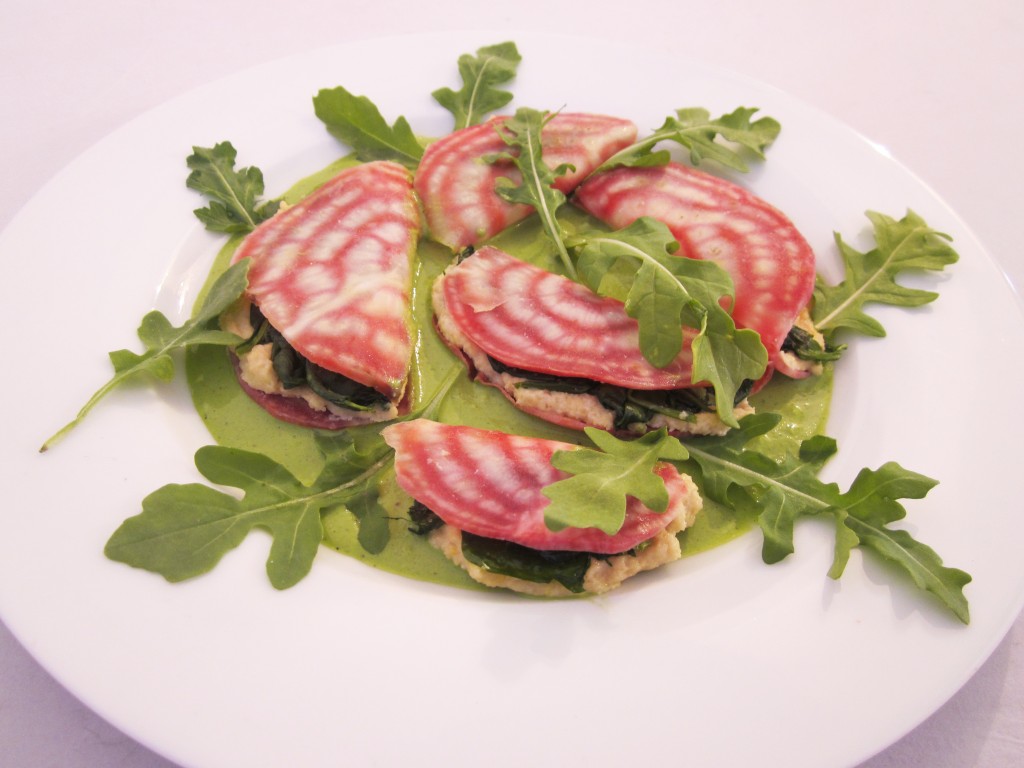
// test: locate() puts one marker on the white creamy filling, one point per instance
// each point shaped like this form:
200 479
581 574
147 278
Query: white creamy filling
794 366
603 574
580 407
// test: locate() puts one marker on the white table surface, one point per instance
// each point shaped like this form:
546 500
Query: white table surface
937 82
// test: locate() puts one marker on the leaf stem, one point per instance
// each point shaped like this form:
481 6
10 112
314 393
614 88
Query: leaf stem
636 147
239 206
645 258
546 214
96 397
359 479
758 478
471 104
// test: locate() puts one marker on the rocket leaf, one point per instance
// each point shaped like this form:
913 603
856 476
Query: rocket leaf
782 491
161 339
184 530
694 129
357 122
522 133
665 293
493 65
901 245
235 206
726 357
595 495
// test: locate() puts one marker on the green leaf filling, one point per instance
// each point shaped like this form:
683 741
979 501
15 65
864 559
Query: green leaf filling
422 519
294 370
517 561
627 406
492 66
806 347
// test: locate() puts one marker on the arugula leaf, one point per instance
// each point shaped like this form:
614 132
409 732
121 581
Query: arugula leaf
665 293
161 339
906 244
184 530
595 495
637 265
357 122
694 129
493 65
358 450
235 207
522 133
727 356
782 491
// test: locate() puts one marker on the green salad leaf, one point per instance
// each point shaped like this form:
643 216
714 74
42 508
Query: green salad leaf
162 339
522 133
602 478
492 66
907 244
235 206
780 492
185 530
727 357
694 129
665 293
357 122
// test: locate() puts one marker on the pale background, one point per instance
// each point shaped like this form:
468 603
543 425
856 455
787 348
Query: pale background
937 82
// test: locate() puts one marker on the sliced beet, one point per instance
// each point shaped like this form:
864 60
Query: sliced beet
536 320
489 483
456 181
333 274
770 262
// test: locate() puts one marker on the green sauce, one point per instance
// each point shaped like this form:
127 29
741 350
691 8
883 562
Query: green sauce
234 420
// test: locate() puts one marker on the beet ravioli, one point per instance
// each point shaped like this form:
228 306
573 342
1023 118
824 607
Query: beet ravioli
457 176
559 351
771 264
480 494
327 311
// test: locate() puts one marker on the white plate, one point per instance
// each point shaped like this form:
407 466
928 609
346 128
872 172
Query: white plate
718 660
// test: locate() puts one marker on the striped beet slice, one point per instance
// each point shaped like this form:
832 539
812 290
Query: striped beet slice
333 274
455 181
489 483
529 318
770 262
